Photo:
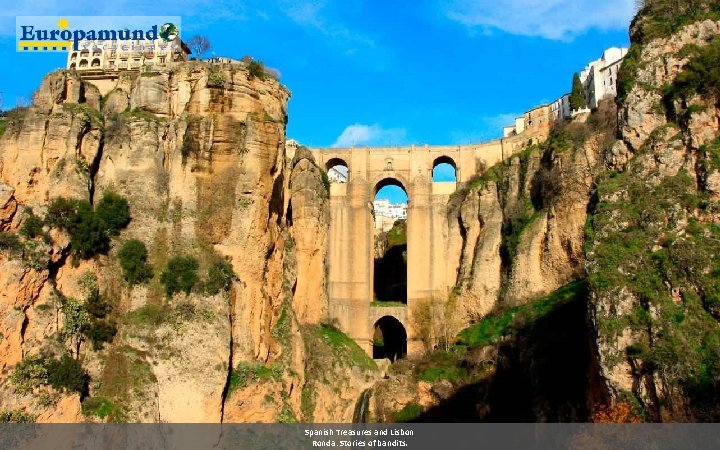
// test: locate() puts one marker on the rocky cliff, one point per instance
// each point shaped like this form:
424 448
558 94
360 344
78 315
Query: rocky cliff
652 243
197 151
518 229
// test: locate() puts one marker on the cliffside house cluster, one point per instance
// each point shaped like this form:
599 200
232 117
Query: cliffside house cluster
599 80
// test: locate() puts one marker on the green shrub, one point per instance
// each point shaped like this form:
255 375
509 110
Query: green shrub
441 366
100 407
410 412
60 212
699 76
257 372
287 415
30 373
494 326
220 275
114 211
180 275
100 332
216 79
89 230
661 18
75 320
16 416
343 347
32 227
13 118
66 374
9 242
97 328
256 69
627 75
397 234
148 315
97 305
133 260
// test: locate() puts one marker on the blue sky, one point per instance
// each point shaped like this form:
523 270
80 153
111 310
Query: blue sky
376 72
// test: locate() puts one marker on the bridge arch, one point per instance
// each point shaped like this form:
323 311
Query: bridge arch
389 339
389 180
441 168
338 170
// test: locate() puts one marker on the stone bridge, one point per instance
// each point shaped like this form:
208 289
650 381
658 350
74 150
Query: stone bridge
430 276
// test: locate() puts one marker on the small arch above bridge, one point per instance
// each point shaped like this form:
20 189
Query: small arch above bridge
444 169
338 170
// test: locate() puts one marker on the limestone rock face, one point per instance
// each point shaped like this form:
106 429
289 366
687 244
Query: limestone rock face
479 274
49 148
550 252
116 102
519 236
151 94
204 171
198 152
661 63
8 206
309 230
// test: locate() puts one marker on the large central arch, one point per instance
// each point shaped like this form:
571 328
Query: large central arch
389 259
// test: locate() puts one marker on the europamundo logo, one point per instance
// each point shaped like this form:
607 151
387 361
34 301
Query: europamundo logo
52 33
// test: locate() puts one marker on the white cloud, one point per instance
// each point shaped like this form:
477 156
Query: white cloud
549 19
358 134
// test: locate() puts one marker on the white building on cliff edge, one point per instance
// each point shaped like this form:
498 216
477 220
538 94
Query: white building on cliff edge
599 78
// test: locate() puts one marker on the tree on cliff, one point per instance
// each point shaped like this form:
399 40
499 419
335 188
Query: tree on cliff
577 95
199 44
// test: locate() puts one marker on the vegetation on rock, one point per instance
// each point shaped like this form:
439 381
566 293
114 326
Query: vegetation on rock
114 211
180 275
32 227
90 229
133 258
577 95
219 278
64 374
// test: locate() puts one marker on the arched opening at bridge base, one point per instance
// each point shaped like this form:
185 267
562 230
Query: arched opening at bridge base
390 242
389 339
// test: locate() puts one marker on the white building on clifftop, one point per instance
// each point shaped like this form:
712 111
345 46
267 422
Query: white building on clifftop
117 55
599 78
